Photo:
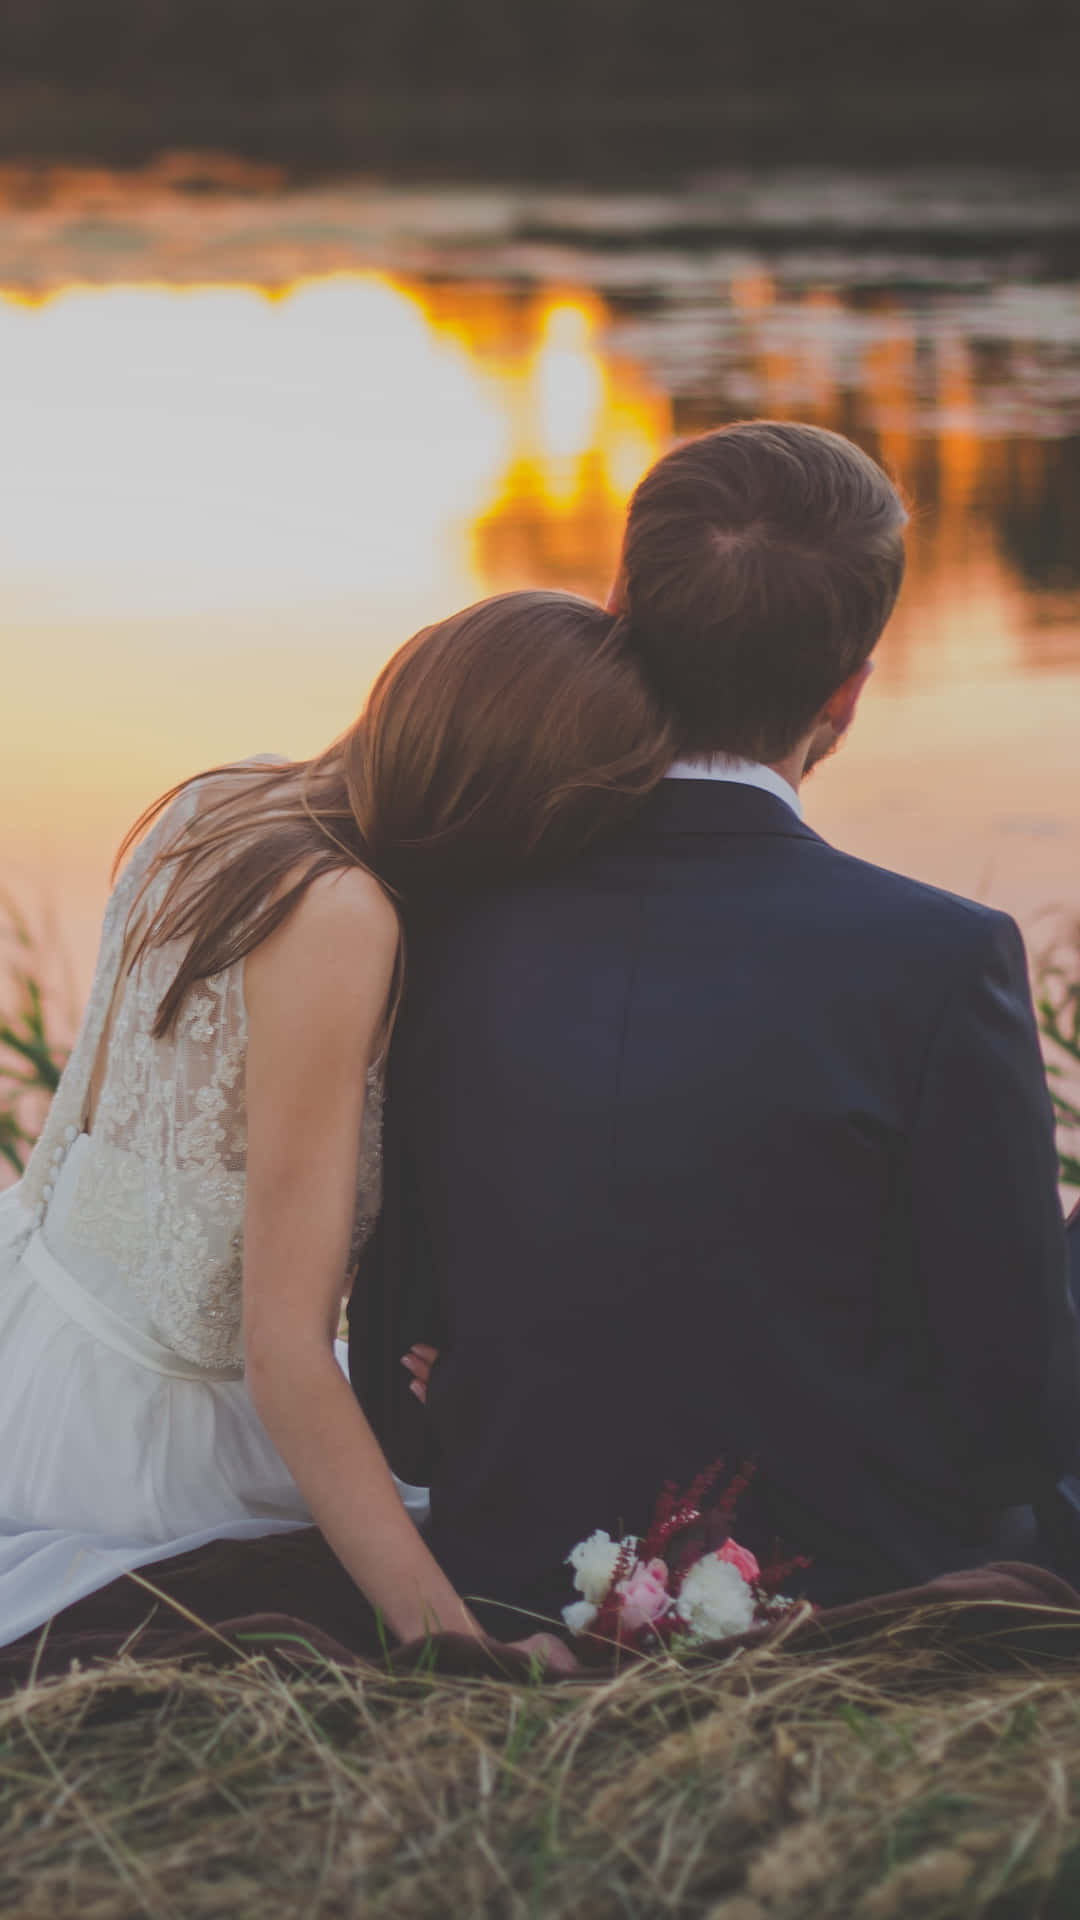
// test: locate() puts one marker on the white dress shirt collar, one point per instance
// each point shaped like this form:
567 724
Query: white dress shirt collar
745 773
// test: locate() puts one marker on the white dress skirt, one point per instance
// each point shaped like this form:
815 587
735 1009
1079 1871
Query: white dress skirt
114 1451
127 1434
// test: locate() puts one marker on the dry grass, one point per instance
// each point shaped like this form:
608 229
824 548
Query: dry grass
777 1786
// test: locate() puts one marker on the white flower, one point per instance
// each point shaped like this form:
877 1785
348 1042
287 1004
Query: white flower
594 1561
714 1600
580 1616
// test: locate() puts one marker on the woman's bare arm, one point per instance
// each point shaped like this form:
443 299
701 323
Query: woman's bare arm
316 994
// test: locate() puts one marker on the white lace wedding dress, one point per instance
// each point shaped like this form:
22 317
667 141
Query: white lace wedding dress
126 1432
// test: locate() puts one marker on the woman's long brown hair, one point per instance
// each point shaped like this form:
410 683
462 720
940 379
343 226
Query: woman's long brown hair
506 736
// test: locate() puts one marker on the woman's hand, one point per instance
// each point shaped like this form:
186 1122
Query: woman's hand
419 1361
551 1652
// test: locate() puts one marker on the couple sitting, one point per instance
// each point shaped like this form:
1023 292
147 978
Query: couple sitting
701 1139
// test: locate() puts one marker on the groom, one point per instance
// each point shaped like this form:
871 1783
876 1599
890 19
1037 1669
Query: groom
719 1141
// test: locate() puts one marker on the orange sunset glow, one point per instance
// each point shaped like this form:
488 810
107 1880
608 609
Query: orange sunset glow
221 507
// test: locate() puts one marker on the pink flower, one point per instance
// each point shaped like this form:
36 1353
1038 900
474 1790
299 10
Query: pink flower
741 1559
644 1595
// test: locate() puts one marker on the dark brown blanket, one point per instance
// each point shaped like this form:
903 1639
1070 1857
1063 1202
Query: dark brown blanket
287 1598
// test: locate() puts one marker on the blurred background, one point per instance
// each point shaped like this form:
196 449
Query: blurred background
570 88
319 319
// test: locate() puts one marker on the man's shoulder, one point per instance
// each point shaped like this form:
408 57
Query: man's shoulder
902 896
827 893
893 909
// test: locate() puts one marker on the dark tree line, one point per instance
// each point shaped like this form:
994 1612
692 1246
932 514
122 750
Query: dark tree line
981 74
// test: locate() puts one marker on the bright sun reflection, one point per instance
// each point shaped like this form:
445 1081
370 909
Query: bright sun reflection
222 508
568 384
179 452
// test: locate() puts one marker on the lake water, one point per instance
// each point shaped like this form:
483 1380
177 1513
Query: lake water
252 439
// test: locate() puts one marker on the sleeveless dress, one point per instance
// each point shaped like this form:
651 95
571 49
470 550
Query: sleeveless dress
127 1434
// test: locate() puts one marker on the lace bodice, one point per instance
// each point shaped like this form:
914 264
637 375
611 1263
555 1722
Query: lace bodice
158 1204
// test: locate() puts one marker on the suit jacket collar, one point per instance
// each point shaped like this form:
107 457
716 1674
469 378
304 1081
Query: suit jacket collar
717 807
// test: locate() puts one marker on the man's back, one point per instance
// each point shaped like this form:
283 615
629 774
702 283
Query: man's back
723 1143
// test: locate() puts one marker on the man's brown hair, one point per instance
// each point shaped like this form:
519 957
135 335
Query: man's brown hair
760 564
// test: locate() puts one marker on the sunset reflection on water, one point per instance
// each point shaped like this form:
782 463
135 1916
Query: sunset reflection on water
222 507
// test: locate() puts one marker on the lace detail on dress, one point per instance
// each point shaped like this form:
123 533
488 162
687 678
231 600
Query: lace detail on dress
162 1186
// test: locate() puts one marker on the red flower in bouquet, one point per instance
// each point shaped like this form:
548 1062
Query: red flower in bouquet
687 1582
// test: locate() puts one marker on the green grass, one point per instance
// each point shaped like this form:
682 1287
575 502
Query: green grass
31 1057
1057 1001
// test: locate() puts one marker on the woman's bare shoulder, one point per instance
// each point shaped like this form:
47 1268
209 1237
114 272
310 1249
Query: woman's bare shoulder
323 980
342 918
349 903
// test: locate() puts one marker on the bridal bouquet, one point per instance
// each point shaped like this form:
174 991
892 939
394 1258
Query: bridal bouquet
688 1581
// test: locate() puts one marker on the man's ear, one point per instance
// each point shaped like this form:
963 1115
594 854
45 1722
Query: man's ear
616 599
840 708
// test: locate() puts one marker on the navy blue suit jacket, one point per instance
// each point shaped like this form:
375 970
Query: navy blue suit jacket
720 1142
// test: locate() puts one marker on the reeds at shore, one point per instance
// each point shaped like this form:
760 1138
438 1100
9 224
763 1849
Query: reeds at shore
31 1057
1057 1001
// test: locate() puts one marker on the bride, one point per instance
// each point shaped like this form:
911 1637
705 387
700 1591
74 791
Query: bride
173 1262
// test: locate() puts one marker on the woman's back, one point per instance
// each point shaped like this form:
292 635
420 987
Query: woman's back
139 1179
